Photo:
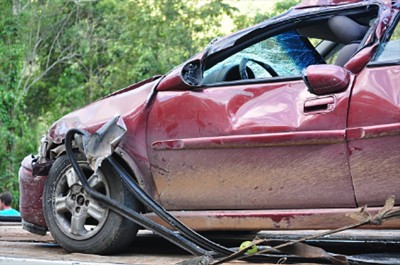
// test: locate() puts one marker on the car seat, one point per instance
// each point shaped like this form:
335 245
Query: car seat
347 32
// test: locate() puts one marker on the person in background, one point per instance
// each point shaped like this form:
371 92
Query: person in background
5 205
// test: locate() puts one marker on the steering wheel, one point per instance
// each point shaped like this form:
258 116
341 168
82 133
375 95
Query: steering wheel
243 68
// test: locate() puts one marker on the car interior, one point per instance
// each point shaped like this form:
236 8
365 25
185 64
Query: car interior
330 39
339 33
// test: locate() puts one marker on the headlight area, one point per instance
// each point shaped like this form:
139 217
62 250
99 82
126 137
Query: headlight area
31 204
32 177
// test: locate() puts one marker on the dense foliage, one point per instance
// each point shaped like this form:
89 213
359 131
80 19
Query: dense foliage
57 55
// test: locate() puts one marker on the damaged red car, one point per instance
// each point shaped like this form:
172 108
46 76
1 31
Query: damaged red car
289 124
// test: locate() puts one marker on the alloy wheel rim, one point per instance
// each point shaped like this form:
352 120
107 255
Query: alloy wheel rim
78 215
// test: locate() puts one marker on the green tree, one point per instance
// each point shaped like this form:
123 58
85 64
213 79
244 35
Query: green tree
246 20
159 35
11 121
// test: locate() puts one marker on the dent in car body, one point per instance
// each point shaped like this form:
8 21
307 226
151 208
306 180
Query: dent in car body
131 103
374 134
132 106
374 128
256 121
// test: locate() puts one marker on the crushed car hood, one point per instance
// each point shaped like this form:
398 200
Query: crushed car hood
125 102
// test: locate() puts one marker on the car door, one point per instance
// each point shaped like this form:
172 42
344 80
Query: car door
264 143
374 124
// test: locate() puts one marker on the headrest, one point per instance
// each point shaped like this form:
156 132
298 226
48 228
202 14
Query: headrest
347 30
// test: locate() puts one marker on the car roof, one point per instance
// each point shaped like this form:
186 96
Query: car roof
314 3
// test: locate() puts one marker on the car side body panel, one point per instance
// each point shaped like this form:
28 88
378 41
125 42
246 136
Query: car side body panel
374 134
246 145
374 124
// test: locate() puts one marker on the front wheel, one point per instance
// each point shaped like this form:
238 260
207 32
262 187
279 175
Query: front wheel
79 223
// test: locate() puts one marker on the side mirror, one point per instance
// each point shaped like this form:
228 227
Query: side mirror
326 79
184 77
191 73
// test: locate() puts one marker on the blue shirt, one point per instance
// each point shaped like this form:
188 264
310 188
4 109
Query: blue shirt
9 212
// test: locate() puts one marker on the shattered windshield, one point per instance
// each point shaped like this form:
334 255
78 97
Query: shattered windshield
287 54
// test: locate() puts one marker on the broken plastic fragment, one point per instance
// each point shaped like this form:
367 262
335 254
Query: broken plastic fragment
102 143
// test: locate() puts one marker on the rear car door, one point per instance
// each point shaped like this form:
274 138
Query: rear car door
260 143
374 124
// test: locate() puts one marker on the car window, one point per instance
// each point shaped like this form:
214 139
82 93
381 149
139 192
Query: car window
259 55
390 50
285 54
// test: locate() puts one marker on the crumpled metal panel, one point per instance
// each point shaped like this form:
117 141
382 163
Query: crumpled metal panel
132 107
248 147
102 143
31 188
129 105
374 134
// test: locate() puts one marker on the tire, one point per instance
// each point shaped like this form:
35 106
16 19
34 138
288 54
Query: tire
76 221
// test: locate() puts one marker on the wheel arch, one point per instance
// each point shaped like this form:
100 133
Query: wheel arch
139 170
132 167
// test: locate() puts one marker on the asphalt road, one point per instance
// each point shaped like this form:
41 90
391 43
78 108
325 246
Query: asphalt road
18 247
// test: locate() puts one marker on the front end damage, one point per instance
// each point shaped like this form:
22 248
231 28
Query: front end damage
130 101
31 191
32 177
